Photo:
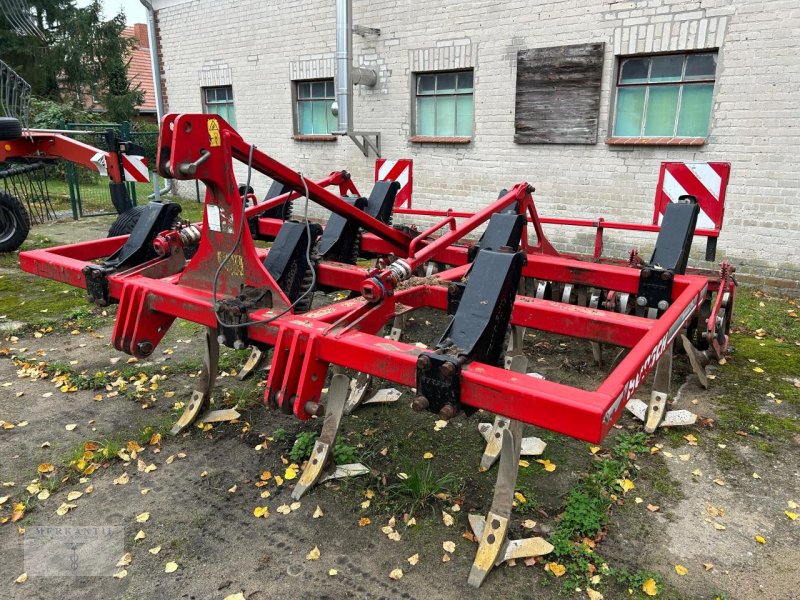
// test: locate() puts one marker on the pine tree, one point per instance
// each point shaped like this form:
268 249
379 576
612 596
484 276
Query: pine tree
79 56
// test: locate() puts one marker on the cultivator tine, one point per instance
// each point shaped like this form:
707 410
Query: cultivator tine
358 386
655 414
515 341
493 546
597 353
398 326
660 394
697 359
254 362
205 383
493 433
323 448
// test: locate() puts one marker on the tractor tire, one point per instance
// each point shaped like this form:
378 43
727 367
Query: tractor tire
126 222
10 129
14 222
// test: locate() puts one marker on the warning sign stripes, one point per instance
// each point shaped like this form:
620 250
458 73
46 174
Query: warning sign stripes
399 170
705 181
135 168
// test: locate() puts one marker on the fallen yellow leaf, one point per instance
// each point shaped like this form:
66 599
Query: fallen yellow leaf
143 517
413 560
761 539
547 464
289 474
261 511
396 574
125 560
447 519
64 509
22 578
155 550
427 455
791 515
313 554
449 546
139 536
556 569
649 587
318 513
626 485
170 567
593 594
364 521
681 570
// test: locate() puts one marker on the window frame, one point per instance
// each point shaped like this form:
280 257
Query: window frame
454 139
641 138
296 135
230 102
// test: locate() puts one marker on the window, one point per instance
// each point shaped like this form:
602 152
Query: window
219 101
314 115
444 105
665 96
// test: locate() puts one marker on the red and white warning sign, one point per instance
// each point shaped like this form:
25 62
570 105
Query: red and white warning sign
135 168
706 181
399 170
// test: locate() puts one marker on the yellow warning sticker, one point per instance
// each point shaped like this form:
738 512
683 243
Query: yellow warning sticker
213 133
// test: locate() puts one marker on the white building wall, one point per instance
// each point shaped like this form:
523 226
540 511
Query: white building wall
260 46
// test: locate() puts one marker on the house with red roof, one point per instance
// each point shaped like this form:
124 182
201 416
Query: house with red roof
140 73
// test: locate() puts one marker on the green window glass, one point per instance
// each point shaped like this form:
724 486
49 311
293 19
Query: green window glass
665 96
444 106
219 101
313 110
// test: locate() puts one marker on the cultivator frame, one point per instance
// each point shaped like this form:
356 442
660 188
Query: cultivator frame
230 286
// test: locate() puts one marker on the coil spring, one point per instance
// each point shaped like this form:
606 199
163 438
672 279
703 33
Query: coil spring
189 236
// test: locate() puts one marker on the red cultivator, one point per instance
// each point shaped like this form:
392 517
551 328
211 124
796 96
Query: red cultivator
510 280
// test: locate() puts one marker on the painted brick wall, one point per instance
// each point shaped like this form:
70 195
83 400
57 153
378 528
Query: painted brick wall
755 117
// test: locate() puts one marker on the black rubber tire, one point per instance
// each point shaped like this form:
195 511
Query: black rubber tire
14 222
126 222
10 129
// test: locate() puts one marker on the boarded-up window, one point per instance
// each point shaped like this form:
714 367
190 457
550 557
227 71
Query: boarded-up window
558 94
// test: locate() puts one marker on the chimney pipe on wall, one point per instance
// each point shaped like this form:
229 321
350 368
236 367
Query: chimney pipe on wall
347 76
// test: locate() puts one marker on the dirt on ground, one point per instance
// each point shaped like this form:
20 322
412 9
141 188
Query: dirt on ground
704 512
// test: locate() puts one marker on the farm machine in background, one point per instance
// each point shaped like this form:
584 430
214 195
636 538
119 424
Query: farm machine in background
510 280
25 152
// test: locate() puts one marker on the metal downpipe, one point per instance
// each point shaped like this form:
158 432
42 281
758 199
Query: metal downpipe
155 66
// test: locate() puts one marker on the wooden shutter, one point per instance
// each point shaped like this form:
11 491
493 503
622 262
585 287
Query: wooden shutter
558 94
